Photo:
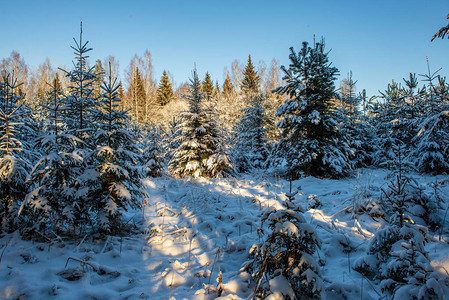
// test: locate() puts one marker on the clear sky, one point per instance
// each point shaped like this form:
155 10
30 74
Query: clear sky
378 40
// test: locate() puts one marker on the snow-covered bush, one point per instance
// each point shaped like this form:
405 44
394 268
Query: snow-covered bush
285 258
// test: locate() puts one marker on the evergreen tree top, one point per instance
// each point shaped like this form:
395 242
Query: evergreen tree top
251 81
195 97
228 88
310 74
80 98
208 86
165 90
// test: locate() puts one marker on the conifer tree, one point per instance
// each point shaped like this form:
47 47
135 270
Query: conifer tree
310 140
431 154
14 166
54 106
250 148
250 81
199 153
283 265
351 123
165 90
81 97
138 97
216 89
228 88
99 74
117 160
153 152
52 199
396 256
442 31
207 87
121 95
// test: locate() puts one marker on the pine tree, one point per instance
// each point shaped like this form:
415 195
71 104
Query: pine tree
207 87
251 81
199 154
310 140
165 90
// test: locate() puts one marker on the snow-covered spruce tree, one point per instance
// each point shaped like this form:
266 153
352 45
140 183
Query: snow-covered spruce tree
352 124
153 153
432 141
14 166
310 139
249 149
397 118
69 179
404 198
52 180
396 256
81 98
172 137
78 117
284 264
199 153
117 160
383 115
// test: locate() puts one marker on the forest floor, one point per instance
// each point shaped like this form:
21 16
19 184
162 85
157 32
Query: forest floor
190 230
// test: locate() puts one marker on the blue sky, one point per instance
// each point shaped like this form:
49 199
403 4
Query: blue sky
378 40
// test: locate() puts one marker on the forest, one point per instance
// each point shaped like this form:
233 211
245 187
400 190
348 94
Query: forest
281 183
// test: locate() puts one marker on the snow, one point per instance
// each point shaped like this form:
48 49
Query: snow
279 285
215 222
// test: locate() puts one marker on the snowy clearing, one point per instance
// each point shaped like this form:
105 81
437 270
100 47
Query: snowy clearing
192 229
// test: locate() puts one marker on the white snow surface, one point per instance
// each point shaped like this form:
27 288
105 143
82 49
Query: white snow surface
224 215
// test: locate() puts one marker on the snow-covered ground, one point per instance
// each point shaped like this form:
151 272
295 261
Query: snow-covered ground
192 229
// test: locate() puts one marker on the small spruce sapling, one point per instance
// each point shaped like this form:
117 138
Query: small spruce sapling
286 256
396 256
117 160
